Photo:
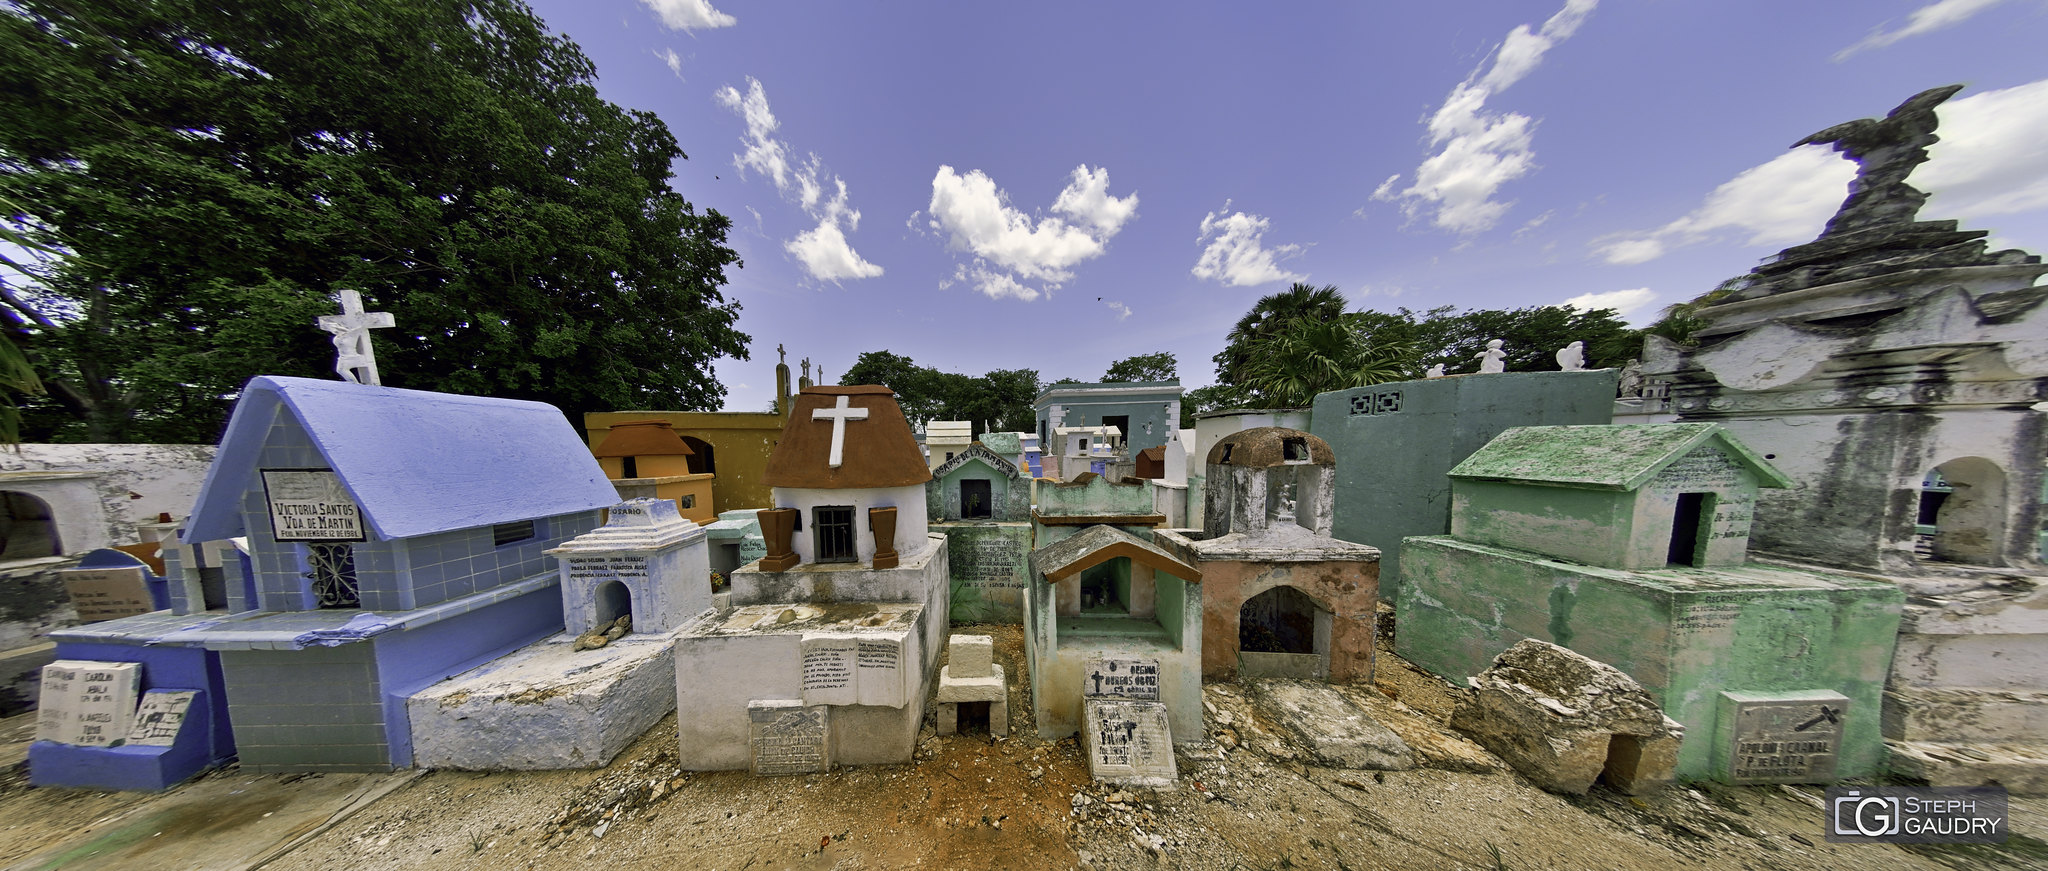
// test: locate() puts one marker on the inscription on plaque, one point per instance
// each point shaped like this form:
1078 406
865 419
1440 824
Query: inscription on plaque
878 666
988 562
1121 679
310 505
107 594
1785 738
159 718
788 737
87 703
589 571
1129 742
829 670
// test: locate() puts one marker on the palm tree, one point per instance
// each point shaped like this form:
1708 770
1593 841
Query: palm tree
1268 317
1307 356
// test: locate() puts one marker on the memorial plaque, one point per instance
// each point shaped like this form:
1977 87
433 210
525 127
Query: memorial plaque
788 737
828 663
1121 679
1129 742
1785 737
107 594
88 703
878 668
310 505
159 718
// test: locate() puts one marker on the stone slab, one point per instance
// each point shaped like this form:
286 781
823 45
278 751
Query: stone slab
107 594
970 656
88 703
970 689
160 717
1128 742
1337 732
1782 737
545 706
789 737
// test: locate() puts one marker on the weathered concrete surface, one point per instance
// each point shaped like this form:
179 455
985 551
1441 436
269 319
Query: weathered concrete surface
1684 633
546 706
1338 732
1396 442
1563 720
1340 577
988 566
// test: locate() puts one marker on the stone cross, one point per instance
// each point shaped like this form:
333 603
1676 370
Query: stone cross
351 331
839 414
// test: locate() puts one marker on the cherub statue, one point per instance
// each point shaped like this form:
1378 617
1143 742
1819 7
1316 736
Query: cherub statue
1572 357
1493 359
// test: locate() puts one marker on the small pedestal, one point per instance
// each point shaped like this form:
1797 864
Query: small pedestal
971 676
883 522
778 525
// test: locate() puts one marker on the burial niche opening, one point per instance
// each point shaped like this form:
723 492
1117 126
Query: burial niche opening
702 460
27 529
1279 620
832 531
1688 522
613 601
975 500
972 718
1962 513
1106 588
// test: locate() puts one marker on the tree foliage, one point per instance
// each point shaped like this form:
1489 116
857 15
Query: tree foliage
1144 367
1530 336
1267 318
1001 398
213 172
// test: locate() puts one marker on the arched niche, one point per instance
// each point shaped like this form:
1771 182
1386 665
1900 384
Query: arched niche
1967 510
28 528
703 459
613 601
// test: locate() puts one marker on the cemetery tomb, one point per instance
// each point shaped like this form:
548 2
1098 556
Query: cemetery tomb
1281 597
1105 594
1888 351
396 538
645 555
946 439
1213 427
981 502
825 647
1141 412
1395 443
1566 534
646 458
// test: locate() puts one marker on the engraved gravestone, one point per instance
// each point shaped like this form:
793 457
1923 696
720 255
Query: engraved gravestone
90 704
159 717
1129 742
789 737
107 594
1783 737
1120 679
828 664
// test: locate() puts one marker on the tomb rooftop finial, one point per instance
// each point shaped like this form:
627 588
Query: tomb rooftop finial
355 358
1885 151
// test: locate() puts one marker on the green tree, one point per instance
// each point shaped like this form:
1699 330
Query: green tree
1530 336
1268 317
1308 357
1144 367
1001 398
215 171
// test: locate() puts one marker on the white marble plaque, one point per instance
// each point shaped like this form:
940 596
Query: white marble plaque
789 737
829 666
878 666
1787 738
1121 679
159 717
88 703
310 505
1129 742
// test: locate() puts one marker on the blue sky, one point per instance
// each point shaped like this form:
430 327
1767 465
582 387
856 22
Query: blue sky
1057 186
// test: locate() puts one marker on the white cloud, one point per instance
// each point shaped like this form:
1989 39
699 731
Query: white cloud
823 250
1991 160
690 14
1783 201
1010 246
1624 302
1236 254
1926 19
674 61
1122 311
1481 150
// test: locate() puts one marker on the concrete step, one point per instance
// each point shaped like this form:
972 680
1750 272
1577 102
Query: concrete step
2021 768
1964 714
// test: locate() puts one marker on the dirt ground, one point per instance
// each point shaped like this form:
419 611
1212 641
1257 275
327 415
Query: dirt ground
1249 800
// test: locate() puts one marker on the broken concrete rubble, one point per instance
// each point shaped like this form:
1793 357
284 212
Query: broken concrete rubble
1565 721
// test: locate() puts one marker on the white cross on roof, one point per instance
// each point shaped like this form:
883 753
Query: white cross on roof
839 414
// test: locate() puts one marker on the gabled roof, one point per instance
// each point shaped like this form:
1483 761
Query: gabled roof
414 461
877 450
1005 442
1613 457
1099 544
980 454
